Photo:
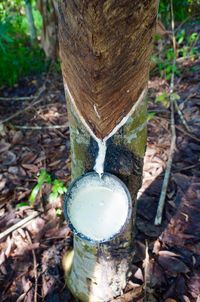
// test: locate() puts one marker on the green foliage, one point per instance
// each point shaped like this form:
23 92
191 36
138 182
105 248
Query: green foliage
150 115
58 212
22 204
44 177
57 187
164 98
187 45
18 57
186 48
182 9
165 64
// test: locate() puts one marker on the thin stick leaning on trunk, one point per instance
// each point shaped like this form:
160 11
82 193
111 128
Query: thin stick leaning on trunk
161 202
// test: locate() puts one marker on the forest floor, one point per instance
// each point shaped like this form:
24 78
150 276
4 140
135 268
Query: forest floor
166 265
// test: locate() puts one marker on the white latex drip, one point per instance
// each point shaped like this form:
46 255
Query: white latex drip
99 163
100 160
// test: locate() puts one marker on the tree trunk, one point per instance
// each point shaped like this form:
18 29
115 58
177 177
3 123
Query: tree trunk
29 15
105 49
48 10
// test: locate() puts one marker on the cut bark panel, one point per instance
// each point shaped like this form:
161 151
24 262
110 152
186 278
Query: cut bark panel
105 48
125 150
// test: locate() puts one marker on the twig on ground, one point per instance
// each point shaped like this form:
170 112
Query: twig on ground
135 293
35 267
21 98
191 95
182 118
162 198
19 224
37 101
180 129
188 134
36 98
146 266
22 296
41 127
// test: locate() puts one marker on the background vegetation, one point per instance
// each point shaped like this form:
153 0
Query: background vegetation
19 57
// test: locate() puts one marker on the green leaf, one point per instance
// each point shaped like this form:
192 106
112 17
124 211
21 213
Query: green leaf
53 196
180 36
163 99
58 188
44 176
193 38
22 204
150 115
34 194
175 96
58 212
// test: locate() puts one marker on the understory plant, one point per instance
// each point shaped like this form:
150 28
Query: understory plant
186 48
19 57
58 188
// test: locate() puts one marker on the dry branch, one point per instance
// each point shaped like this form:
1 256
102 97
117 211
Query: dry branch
41 127
34 266
181 116
188 134
23 98
161 202
19 224
37 101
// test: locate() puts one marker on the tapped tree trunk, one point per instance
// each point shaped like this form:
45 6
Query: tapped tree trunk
105 49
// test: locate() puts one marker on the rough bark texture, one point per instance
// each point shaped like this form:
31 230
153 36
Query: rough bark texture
99 272
48 10
105 48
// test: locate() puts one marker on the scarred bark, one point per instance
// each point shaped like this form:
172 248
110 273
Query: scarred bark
105 48
48 10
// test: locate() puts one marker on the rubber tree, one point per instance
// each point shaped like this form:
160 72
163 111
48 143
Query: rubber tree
105 49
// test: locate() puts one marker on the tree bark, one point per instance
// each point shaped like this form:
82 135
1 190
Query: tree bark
105 49
48 10
29 15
